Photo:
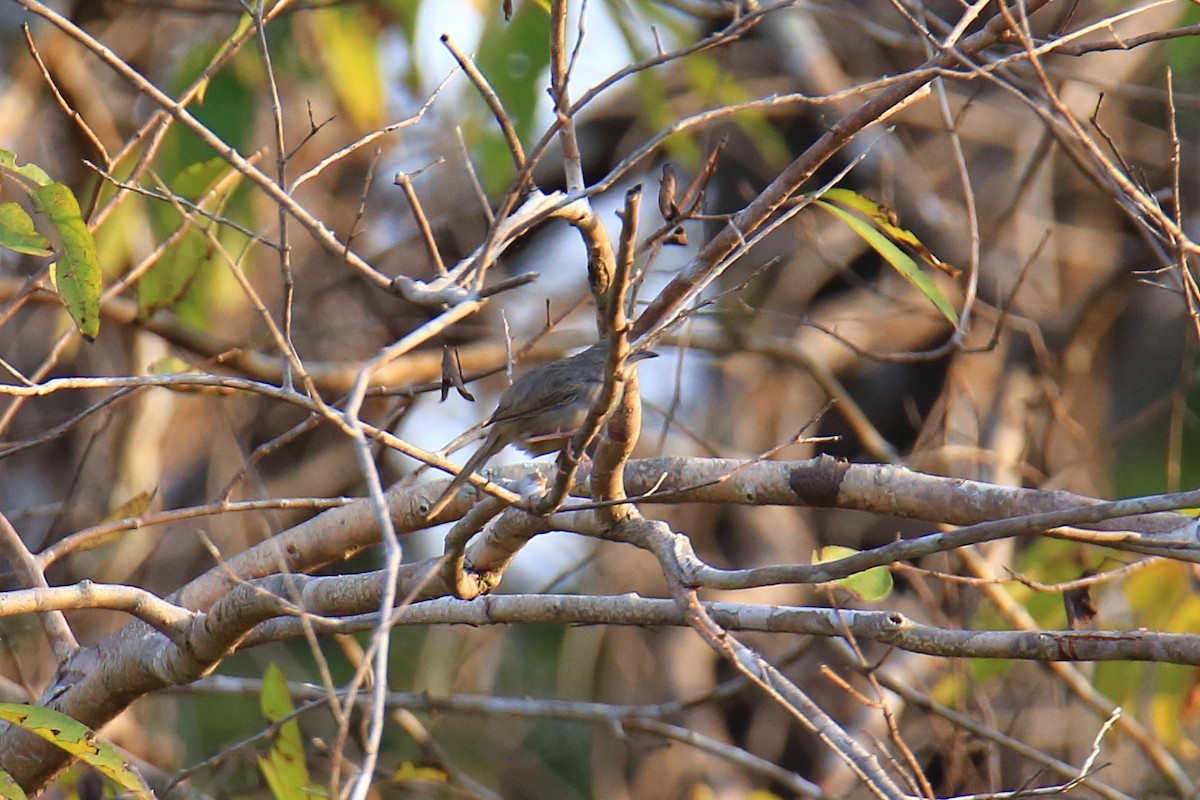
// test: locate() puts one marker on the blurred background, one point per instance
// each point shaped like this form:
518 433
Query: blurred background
1076 371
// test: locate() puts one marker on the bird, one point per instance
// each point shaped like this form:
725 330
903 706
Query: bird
541 411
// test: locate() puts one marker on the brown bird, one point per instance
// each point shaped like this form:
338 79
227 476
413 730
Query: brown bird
541 410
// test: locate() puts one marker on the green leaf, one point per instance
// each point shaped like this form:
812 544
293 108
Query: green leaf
228 109
884 218
899 260
514 57
348 40
284 766
869 585
79 741
9 790
244 22
169 280
77 273
31 172
17 232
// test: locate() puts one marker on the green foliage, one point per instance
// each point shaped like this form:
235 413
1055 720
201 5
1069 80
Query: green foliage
1045 560
32 173
347 39
284 766
120 235
565 749
1123 682
228 108
514 57
9 790
1174 686
182 279
1159 596
529 666
1162 598
881 232
18 234
1143 461
1183 53
166 282
244 22
77 271
869 585
79 741
655 108
718 87
532 658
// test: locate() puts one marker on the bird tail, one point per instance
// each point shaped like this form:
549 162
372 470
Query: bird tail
491 445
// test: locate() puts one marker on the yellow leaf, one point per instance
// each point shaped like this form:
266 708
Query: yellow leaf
348 41
79 741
